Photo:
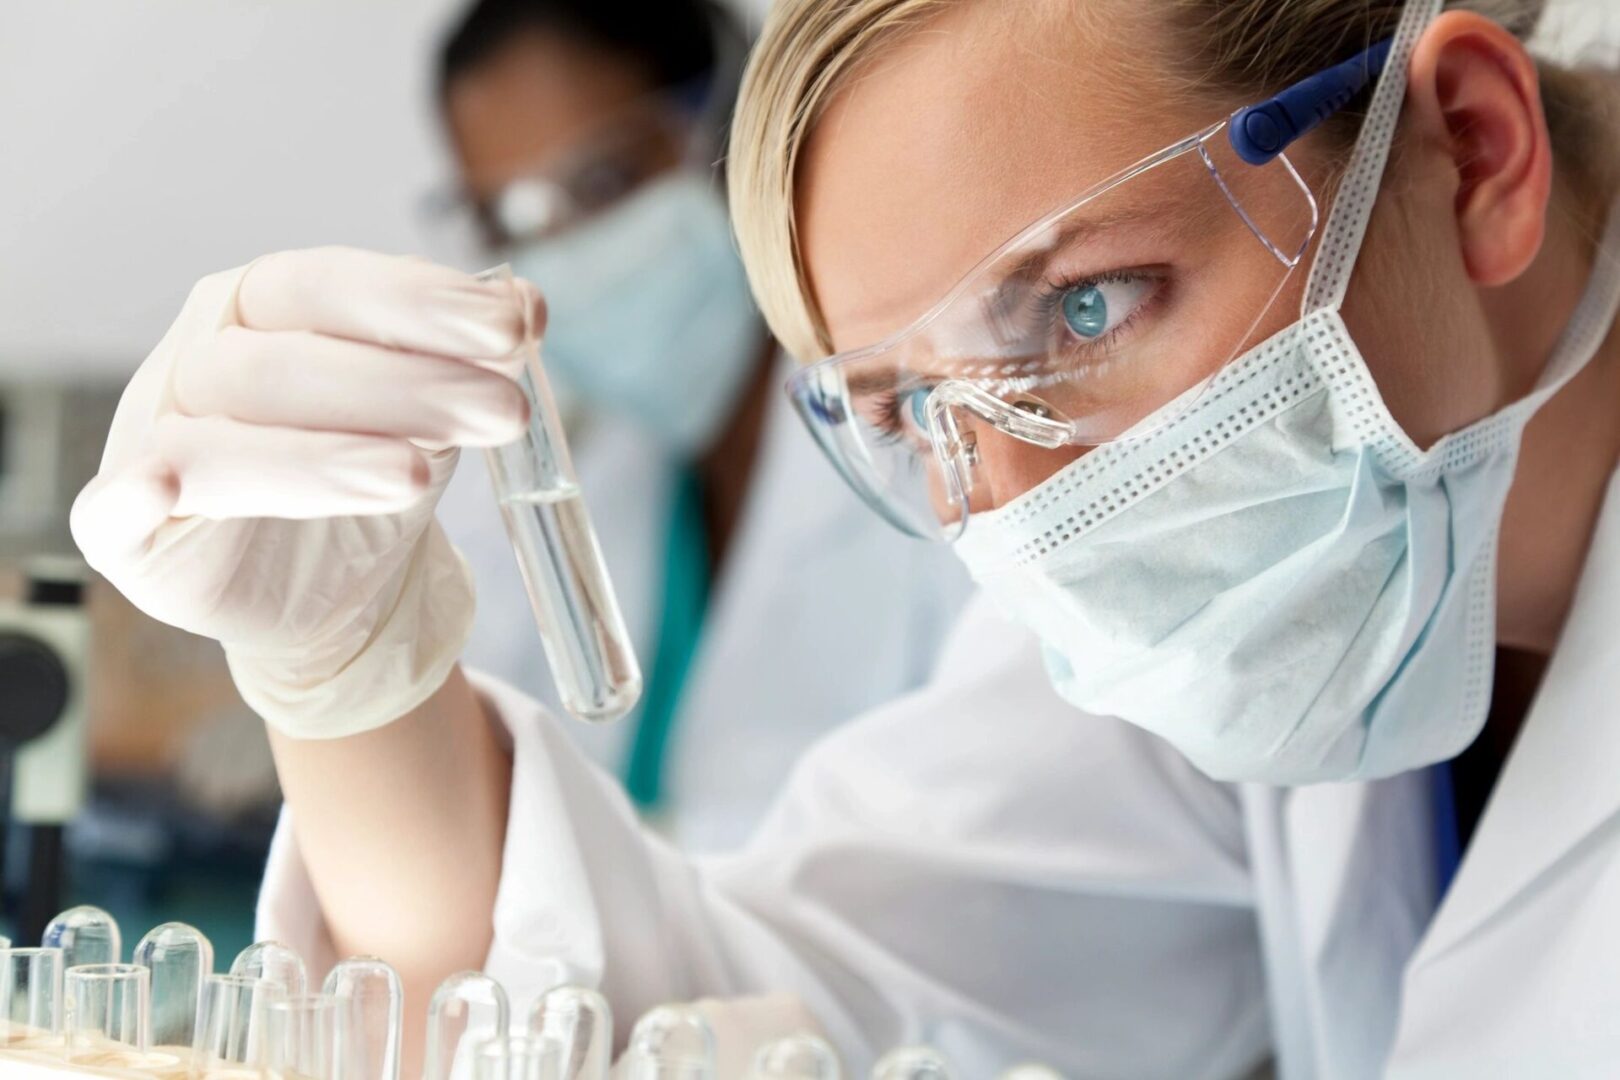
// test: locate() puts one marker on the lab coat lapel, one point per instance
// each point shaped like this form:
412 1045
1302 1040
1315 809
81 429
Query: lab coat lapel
1562 779
1356 885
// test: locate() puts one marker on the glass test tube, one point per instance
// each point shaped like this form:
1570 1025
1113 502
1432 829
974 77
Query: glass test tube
798 1057
912 1063
518 1057
107 1013
275 963
30 996
86 935
179 958
302 1037
581 1022
372 1018
672 1042
467 1010
581 627
231 1020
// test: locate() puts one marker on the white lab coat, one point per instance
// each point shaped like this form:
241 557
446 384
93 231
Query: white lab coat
980 866
814 584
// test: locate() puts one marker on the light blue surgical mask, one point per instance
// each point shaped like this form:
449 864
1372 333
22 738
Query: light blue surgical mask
1277 580
649 313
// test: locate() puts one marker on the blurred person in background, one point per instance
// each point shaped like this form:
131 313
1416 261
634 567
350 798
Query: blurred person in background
585 137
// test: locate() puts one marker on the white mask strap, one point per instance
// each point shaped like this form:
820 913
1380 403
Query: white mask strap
1592 322
1352 208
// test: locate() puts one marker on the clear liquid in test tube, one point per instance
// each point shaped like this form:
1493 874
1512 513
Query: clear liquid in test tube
581 627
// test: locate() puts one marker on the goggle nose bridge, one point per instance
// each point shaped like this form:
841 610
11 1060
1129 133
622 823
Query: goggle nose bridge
1027 419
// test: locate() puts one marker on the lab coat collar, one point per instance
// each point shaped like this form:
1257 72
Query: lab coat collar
1562 780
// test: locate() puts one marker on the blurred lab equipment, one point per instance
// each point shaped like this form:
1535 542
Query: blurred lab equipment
44 660
110 827
586 644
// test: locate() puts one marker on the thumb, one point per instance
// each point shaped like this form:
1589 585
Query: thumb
115 517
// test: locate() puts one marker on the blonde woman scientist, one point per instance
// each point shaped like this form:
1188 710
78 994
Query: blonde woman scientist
1290 452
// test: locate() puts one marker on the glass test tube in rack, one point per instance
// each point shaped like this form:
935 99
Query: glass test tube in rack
72 1009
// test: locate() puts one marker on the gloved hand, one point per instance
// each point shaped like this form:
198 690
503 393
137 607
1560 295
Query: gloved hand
271 473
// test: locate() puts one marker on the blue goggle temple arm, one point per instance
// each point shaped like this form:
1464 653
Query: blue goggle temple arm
1261 132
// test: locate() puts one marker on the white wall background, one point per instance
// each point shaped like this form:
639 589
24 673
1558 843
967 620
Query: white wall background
144 144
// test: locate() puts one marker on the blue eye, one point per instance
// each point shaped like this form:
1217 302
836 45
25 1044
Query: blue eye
1085 310
914 403
1093 310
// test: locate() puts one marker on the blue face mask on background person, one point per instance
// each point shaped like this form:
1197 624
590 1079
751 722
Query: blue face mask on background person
1278 581
649 312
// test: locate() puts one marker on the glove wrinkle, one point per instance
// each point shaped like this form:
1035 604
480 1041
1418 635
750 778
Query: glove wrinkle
305 543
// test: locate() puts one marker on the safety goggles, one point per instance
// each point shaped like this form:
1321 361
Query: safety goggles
1103 321
594 172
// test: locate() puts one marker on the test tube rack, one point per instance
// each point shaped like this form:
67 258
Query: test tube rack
71 1010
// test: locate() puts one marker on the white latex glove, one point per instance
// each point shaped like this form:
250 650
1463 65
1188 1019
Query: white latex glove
270 476
742 1026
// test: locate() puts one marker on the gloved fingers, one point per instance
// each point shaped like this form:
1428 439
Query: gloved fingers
397 301
115 516
530 295
296 378
229 469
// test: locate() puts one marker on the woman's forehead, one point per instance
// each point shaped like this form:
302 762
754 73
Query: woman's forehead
963 132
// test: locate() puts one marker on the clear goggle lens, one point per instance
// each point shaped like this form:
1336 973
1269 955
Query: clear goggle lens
1098 323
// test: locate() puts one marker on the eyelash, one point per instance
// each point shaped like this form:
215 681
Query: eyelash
1045 304
891 430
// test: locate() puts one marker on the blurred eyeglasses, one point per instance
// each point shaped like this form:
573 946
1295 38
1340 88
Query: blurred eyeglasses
591 174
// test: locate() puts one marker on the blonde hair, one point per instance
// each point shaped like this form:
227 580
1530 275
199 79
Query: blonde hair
1228 47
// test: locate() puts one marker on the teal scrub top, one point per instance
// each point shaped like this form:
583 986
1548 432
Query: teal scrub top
684 600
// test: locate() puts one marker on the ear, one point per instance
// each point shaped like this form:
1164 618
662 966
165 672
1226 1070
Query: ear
1475 93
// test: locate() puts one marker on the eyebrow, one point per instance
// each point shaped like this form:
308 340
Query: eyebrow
1162 216
869 381
1007 291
